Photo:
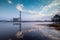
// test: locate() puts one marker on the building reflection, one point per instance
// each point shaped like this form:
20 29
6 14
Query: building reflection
19 34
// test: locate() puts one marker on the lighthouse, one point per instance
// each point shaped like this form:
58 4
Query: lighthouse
19 33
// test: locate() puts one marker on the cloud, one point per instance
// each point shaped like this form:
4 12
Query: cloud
48 7
9 1
43 13
19 7
45 9
29 12
55 12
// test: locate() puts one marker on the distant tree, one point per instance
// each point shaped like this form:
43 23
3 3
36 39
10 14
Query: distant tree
56 18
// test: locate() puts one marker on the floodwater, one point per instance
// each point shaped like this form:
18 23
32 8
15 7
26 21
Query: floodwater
28 31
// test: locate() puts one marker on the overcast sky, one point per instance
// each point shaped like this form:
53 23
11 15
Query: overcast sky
30 9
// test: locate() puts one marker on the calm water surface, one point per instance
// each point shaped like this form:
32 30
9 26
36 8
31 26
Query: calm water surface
28 31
